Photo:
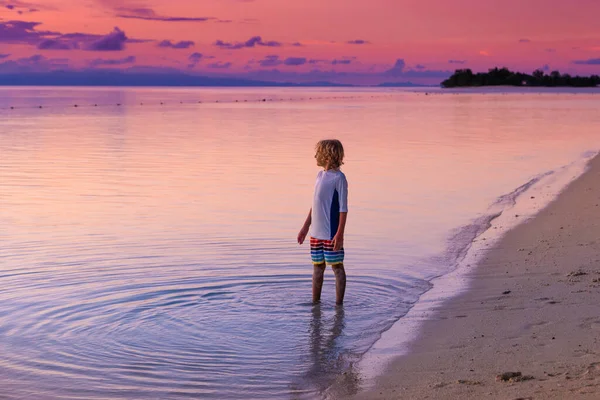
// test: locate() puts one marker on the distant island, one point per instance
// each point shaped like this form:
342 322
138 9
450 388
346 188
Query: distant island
505 77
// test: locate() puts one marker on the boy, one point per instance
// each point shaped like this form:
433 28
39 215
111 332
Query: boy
327 219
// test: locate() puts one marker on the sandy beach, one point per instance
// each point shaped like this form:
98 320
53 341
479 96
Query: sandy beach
532 309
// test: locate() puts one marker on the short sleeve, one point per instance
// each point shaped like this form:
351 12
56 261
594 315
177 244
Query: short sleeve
342 189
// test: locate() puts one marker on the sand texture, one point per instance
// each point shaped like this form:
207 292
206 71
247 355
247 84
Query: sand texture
532 309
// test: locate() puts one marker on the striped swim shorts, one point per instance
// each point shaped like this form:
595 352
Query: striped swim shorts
321 251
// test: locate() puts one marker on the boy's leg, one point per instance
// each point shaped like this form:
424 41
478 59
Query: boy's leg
317 281
340 282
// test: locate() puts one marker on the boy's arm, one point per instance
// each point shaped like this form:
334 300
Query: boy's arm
305 228
338 239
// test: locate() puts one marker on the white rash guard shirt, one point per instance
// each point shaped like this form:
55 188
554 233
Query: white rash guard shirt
330 199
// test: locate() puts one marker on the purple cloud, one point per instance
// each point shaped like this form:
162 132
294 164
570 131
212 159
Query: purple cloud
114 41
342 62
25 32
295 61
146 13
358 41
545 67
297 44
99 62
220 65
270 61
420 66
185 44
590 61
4 55
35 63
524 41
457 61
21 7
252 42
22 32
53 44
316 61
194 59
397 69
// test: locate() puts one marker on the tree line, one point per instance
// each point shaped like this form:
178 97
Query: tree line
505 77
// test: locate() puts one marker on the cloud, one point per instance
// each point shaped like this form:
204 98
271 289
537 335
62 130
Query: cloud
194 59
545 68
220 65
35 63
270 61
589 61
457 61
484 53
25 32
53 44
23 6
252 42
114 41
148 14
121 61
4 55
420 66
143 12
185 44
397 69
316 61
550 50
343 62
294 61
358 41
22 32
524 41
297 44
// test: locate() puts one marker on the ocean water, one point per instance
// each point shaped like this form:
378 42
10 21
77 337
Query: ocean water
147 236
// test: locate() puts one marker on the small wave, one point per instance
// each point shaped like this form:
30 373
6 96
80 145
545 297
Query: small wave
510 199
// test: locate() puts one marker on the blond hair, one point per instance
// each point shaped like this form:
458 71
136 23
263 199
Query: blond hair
330 153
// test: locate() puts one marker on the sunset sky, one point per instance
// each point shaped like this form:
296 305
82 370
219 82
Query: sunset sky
347 41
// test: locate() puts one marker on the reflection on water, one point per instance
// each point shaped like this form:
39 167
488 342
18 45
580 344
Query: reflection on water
148 250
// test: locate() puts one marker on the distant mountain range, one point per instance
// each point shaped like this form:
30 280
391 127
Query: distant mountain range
113 78
149 78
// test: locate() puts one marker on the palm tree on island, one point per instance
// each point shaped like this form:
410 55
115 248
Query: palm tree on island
505 77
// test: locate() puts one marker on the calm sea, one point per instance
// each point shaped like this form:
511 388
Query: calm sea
147 236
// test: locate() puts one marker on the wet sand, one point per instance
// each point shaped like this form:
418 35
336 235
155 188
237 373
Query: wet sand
533 307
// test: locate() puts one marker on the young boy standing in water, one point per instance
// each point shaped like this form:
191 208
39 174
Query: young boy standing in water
327 219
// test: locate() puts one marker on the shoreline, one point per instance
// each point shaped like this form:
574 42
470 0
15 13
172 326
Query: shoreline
483 331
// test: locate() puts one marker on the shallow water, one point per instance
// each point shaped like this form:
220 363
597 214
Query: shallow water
148 249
